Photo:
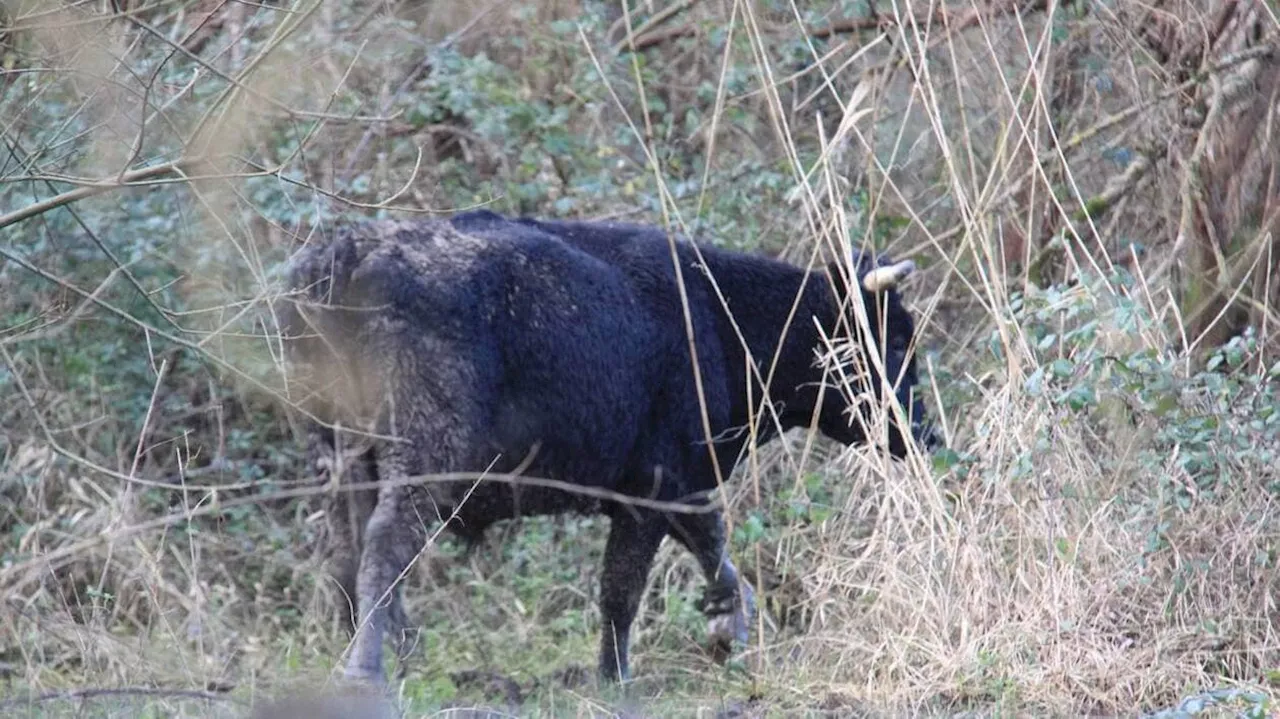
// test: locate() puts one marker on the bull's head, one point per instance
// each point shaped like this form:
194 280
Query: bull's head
872 353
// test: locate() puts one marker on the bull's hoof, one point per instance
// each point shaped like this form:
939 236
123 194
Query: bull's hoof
729 623
610 673
727 629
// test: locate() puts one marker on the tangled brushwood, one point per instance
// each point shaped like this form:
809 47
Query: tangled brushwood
1089 194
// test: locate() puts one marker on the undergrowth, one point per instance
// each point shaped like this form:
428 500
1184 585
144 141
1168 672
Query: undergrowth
1084 188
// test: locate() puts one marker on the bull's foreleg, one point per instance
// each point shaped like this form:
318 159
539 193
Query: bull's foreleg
634 536
729 603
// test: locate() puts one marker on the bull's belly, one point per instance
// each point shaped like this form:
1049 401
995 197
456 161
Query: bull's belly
494 501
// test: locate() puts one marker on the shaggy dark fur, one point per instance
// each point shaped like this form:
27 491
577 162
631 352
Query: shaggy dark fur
483 342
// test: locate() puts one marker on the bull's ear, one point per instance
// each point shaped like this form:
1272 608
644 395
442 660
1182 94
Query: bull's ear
883 279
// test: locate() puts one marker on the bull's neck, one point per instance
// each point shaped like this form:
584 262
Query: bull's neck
761 293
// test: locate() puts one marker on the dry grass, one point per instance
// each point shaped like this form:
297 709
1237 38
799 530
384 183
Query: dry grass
1034 594
1060 569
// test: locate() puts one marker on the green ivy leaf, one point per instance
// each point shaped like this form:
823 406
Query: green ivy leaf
1062 368
1034 385
945 459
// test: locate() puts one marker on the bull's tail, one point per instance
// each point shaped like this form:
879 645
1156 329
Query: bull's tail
317 336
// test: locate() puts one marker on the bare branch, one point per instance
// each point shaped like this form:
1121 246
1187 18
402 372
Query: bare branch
127 179
95 693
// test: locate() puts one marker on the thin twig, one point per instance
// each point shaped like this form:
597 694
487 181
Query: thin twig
411 77
1226 63
952 19
239 84
180 341
74 694
14 149
630 42
1126 180
11 576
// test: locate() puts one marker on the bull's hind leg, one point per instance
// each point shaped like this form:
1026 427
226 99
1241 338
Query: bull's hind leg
436 402
347 511
397 531
393 538
634 536
355 508
729 603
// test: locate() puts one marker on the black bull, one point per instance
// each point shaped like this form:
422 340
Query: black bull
562 350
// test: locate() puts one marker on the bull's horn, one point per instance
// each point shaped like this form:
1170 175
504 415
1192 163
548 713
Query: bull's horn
882 279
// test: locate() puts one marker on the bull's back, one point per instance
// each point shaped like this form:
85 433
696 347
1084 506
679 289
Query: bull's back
569 345
582 356
610 338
